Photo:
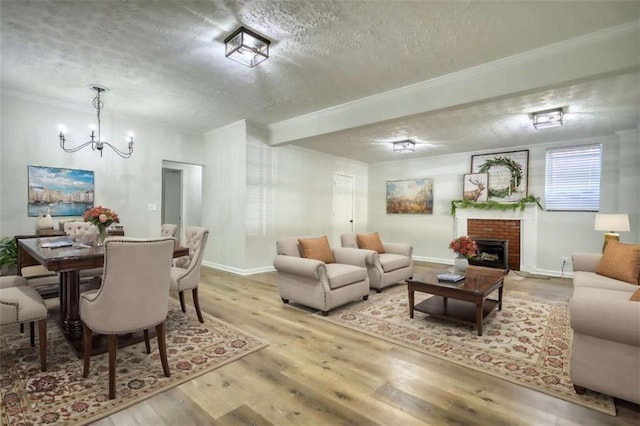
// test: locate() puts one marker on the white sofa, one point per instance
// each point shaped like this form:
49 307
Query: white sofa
605 352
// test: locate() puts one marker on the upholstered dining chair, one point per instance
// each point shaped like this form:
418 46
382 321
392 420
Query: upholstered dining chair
185 275
81 231
20 303
168 230
134 296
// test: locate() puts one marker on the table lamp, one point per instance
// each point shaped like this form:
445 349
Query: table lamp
612 224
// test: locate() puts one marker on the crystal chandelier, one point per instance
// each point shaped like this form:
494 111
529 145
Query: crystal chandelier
96 141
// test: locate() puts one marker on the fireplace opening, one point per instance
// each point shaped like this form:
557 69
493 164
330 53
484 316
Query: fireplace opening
491 253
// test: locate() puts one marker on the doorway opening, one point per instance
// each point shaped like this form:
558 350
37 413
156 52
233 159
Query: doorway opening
181 195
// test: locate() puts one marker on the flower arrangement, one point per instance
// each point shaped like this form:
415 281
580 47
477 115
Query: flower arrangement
464 246
101 217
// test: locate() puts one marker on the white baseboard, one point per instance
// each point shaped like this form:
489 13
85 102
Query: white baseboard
238 271
252 271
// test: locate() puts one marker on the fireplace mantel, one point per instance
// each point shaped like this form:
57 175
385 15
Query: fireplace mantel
528 229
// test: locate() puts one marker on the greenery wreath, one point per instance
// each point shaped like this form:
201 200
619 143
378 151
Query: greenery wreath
516 175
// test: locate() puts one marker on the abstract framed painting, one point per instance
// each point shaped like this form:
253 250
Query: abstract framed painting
475 187
411 196
508 174
59 191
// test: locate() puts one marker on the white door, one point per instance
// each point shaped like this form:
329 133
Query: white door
172 199
343 206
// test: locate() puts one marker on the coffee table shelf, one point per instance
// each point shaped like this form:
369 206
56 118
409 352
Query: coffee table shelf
459 311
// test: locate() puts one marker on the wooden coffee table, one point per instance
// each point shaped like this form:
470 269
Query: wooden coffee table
465 302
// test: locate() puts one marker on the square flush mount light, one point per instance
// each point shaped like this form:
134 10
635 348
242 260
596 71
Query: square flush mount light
246 47
404 146
548 118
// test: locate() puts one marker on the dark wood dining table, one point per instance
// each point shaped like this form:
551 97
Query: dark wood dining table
67 262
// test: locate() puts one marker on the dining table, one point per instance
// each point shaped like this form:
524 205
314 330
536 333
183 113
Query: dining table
67 262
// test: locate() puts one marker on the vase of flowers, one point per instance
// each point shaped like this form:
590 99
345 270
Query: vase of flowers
102 218
464 248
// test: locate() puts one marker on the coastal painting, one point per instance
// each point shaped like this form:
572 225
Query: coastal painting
412 196
59 192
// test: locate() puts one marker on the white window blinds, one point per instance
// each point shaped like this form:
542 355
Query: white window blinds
572 181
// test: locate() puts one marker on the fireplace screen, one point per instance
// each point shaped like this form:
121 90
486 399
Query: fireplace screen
491 253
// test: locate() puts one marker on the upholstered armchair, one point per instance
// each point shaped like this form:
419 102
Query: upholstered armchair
391 262
168 230
134 296
20 303
185 274
320 284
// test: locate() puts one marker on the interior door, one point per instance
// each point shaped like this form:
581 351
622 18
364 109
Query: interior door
172 199
343 206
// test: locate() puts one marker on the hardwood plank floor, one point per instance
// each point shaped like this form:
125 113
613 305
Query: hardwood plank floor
316 373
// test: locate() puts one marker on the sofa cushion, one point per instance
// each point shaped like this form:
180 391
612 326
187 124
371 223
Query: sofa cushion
391 262
317 248
288 247
620 261
340 274
635 297
591 279
370 242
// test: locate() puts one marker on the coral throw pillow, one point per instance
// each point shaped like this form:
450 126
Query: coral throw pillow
370 242
317 248
635 297
621 262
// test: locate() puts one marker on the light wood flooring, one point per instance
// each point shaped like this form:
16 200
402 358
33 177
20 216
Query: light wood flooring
317 373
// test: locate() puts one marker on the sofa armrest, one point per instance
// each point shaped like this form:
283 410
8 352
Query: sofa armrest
587 262
595 313
398 248
308 268
355 257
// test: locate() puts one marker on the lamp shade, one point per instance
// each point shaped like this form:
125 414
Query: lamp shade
612 223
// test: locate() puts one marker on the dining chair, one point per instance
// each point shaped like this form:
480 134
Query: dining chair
134 296
20 303
168 230
185 275
83 232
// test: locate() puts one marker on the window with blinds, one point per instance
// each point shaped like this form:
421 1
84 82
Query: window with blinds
572 179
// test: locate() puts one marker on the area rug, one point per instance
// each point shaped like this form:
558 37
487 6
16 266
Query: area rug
527 343
60 395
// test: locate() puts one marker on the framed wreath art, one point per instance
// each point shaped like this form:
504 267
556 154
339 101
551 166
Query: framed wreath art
508 172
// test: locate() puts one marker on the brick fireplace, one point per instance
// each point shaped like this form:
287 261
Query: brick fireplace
500 230
519 227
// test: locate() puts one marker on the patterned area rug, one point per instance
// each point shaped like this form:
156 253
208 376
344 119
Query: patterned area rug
527 343
60 395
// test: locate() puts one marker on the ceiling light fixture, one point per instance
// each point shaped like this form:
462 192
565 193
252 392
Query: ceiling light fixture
548 118
96 142
246 47
404 146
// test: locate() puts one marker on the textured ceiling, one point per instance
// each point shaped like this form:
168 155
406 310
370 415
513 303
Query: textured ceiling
164 60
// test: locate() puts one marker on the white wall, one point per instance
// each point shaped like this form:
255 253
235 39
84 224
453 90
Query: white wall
559 233
29 136
255 194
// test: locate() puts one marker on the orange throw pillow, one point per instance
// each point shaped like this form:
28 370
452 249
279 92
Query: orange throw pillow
621 262
635 297
317 248
370 242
